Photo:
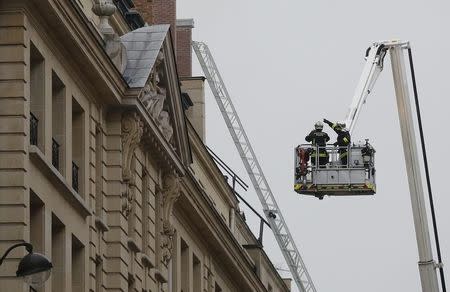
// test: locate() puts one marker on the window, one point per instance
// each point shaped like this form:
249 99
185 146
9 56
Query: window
58 122
58 255
37 94
77 265
37 223
99 172
78 141
196 273
184 261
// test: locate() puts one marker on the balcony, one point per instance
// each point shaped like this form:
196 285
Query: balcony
55 154
34 123
75 170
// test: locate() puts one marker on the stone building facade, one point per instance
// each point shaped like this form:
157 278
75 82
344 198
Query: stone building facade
103 166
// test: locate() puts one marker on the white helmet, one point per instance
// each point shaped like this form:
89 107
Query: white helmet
341 124
318 125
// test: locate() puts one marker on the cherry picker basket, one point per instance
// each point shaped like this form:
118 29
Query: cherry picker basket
335 171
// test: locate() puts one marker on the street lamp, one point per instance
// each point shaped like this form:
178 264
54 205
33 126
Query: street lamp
34 267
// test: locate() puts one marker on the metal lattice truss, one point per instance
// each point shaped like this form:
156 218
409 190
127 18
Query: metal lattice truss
265 195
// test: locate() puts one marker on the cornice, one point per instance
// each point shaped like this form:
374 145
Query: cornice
154 138
71 36
211 168
216 231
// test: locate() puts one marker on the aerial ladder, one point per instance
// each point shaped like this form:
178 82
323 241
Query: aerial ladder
335 179
254 170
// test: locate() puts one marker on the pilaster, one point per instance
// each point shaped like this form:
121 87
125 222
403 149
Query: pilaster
14 141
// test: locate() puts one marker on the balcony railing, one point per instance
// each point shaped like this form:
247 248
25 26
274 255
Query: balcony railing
34 123
75 170
55 154
129 13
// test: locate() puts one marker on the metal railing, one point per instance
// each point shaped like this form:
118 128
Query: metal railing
236 179
339 156
55 153
75 171
34 123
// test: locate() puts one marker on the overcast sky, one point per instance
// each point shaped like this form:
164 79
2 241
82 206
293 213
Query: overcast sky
287 64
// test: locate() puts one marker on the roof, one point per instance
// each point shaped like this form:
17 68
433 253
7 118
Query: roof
142 47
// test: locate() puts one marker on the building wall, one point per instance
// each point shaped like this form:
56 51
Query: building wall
14 93
139 217
195 88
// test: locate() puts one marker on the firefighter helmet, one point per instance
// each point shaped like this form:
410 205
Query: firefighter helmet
341 124
318 125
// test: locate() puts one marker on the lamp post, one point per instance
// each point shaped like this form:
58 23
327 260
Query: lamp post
34 267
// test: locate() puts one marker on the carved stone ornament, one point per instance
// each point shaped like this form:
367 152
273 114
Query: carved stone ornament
170 193
167 234
114 48
154 97
104 9
132 130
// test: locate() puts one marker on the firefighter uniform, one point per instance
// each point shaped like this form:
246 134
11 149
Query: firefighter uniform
343 140
320 139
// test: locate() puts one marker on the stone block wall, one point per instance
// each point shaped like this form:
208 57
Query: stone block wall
14 129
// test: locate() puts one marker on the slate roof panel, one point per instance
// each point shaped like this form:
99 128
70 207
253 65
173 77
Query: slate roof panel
142 46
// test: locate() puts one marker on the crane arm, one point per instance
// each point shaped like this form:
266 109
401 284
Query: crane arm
373 67
267 198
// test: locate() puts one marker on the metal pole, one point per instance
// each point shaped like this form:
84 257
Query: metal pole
427 172
427 265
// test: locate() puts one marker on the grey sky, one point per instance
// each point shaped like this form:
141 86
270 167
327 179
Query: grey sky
288 64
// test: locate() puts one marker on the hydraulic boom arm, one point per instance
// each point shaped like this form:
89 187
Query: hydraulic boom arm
374 65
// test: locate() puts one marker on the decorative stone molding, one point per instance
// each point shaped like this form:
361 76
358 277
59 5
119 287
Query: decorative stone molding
104 9
100 224
132 130
154 97
114 48
170 193
146 261
159 276
98 259
167 234
132 245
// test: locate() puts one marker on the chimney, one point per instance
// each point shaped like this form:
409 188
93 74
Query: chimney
184 50
165 12
159 12
145 9
195 88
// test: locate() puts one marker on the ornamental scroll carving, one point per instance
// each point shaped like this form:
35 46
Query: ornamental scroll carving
170 193
154 97
132 130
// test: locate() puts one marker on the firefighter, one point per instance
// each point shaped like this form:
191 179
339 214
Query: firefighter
343 140
318 138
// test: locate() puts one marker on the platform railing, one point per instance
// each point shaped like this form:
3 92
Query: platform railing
334 161
334 154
